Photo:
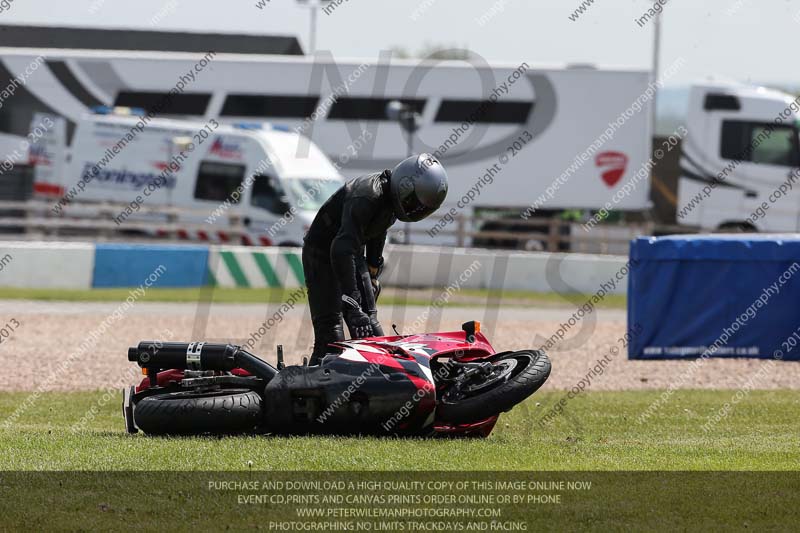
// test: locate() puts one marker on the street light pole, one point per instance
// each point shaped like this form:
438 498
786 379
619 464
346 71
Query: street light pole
408 118
314 6
656 64
312 38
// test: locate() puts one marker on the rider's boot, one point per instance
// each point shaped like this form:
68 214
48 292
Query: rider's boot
324 334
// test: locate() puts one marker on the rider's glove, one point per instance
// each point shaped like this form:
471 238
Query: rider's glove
375 270
358 322
374 274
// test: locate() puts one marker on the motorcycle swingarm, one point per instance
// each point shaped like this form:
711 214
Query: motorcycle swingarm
202 382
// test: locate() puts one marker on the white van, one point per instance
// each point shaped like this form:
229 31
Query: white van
248 171
740 163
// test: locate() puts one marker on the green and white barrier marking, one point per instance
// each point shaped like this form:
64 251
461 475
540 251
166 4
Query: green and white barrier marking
242 266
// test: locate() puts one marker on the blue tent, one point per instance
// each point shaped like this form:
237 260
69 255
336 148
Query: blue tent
714 296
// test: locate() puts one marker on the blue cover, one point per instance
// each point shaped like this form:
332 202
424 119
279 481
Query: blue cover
714 295
132 265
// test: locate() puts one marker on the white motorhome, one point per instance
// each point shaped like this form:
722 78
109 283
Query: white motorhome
248 171
740 164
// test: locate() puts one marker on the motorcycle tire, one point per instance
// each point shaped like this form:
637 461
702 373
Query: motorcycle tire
530 370
224 411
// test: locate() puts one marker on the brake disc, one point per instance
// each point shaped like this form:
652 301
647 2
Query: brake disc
500 372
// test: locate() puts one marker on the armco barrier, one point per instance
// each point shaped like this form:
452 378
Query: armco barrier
128 265
46 265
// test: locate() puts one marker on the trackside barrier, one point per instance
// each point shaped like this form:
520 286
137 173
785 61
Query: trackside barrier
46 265
84 265
422 266
128 265
248 266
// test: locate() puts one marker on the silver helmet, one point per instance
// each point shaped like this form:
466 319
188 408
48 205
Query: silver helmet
418 187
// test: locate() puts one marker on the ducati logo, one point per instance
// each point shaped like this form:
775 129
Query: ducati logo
613 165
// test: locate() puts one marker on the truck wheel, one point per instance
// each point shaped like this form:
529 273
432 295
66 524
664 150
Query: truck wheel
223 411
533 245
736 227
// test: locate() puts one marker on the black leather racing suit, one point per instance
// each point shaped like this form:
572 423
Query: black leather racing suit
348 229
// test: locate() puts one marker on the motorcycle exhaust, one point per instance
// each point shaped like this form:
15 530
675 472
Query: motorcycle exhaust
155 355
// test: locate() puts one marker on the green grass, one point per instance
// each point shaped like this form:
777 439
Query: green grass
100 478
152 295
597 432
423 297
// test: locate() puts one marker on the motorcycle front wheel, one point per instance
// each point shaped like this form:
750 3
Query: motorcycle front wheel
514 377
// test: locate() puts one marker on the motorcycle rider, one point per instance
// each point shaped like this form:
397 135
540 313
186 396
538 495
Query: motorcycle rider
349 233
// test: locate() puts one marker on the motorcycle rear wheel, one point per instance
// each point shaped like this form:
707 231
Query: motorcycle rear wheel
223 411
517 375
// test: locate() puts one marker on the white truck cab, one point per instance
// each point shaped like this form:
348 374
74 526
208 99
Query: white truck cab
740 164
250 171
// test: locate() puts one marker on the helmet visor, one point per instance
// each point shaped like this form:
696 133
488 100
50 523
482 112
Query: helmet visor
413 209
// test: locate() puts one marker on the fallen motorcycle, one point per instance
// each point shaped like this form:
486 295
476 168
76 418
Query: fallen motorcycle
450 383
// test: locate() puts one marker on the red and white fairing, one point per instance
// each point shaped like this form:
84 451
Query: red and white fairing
412 355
